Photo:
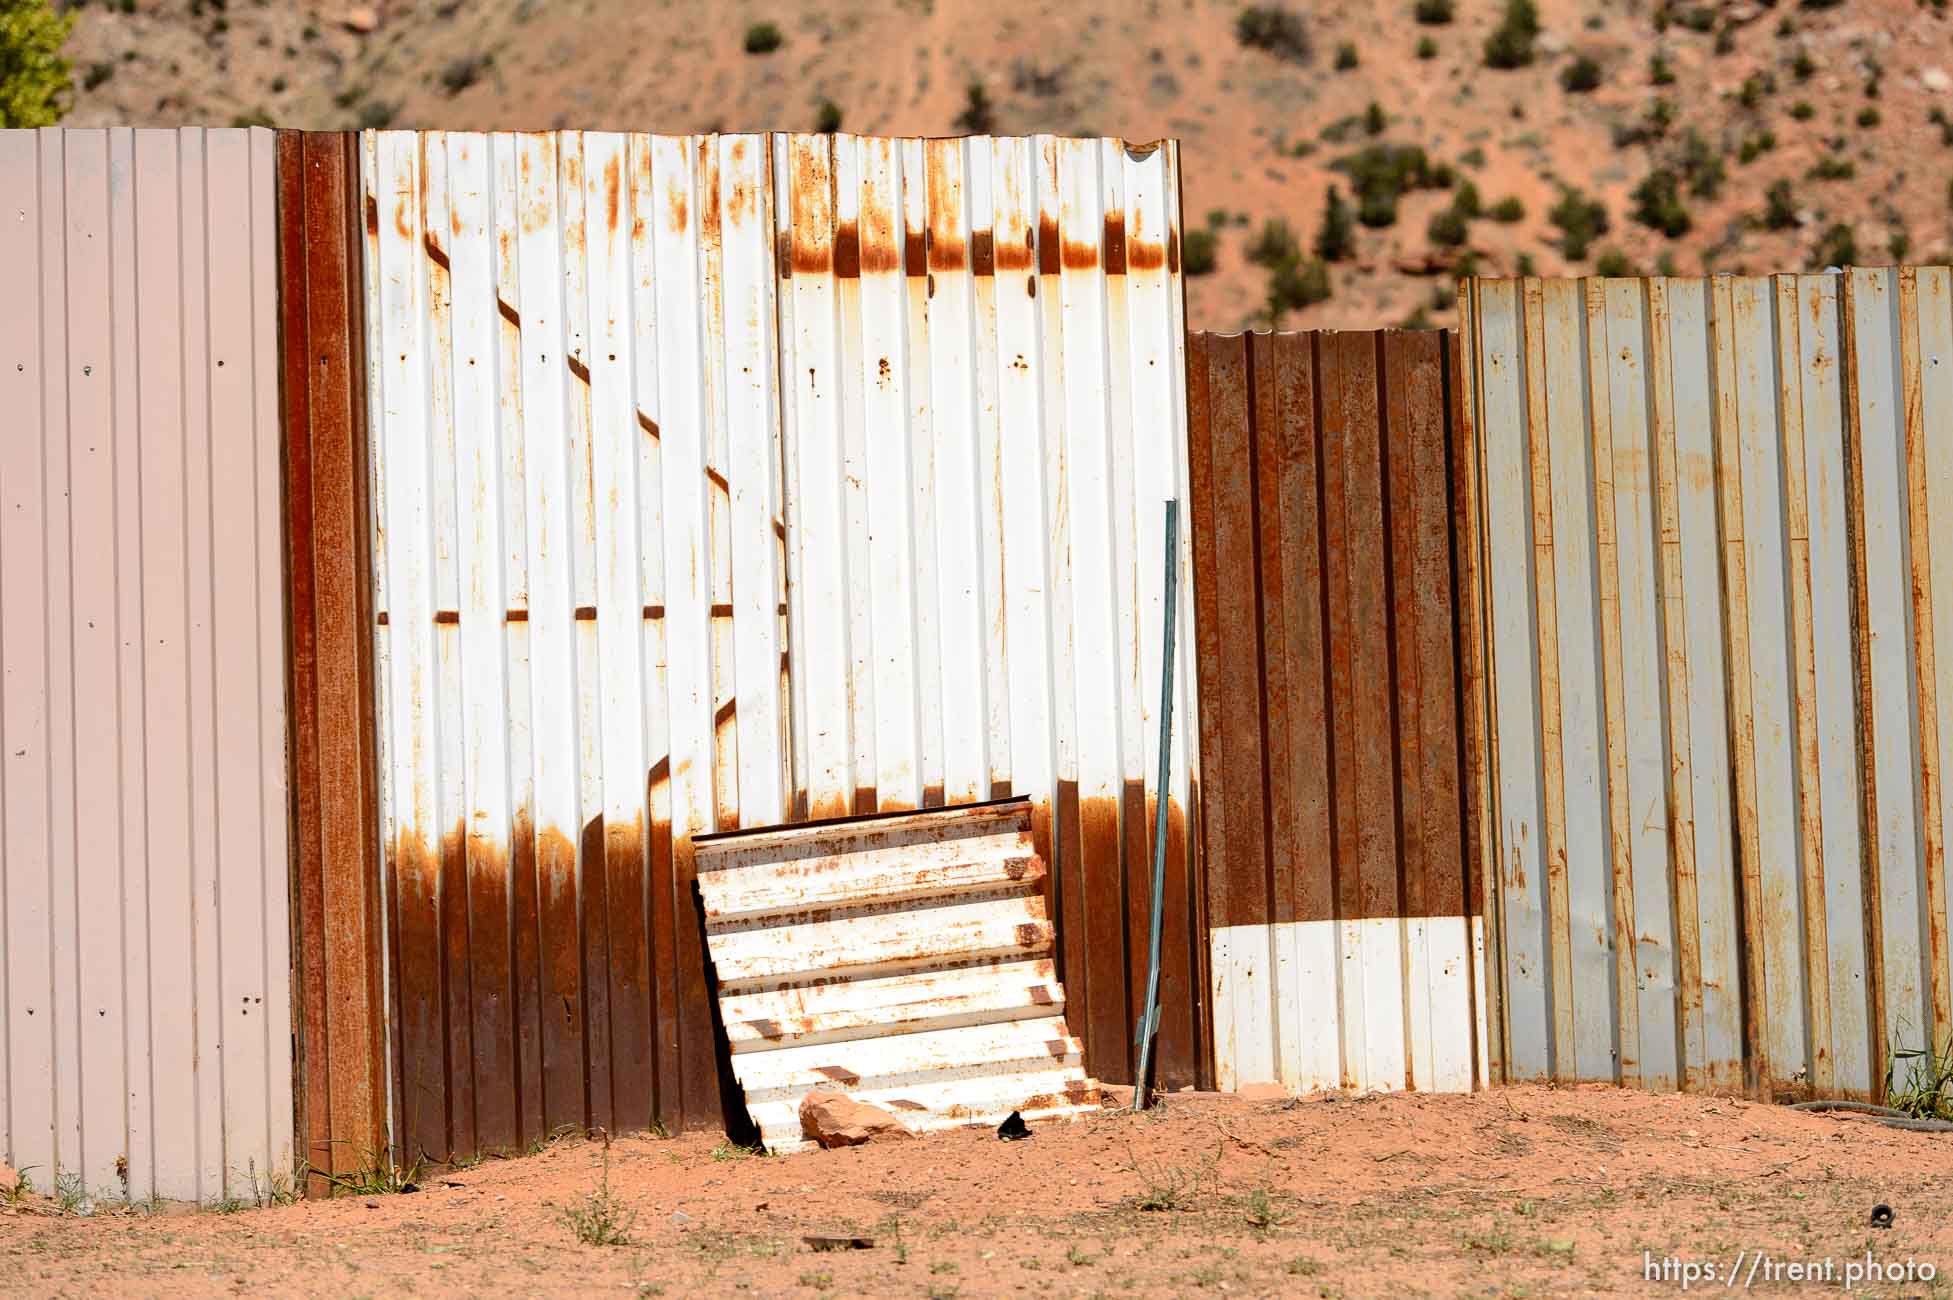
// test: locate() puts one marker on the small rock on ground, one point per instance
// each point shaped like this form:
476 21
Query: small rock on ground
834 1119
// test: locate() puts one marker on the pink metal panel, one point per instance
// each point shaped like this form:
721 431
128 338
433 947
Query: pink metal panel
143 885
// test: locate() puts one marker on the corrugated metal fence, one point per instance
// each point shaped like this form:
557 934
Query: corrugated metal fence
1345 952
1717 717
732 480
144 893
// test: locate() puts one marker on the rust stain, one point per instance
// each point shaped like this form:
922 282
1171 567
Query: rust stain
676 214
811 252
745 196
709 217
1030 286
847 250
613 191
880 250
578 368
983 258
1013 254
943 248
372 216
1173 250
841 1074
1115 243
509 314
435 253
1048 240
403 216
915 251
1080 256
647 424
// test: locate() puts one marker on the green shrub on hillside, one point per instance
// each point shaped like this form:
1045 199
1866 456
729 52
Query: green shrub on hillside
1511 44
34 85
1273 30
1581 221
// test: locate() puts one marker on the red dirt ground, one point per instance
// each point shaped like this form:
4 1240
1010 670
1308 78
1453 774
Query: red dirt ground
1525 1191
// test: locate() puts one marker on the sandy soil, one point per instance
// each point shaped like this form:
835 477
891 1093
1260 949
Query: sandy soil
1260 136
1524 1191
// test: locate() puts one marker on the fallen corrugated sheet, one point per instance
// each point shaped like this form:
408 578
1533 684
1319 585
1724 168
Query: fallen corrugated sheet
1345 953
1716 553
724 481
145 995
903 959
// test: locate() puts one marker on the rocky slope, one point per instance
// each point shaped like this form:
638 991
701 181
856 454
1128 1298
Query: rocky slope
1790 136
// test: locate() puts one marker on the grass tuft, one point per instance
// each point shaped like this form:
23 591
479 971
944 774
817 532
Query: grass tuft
1927 1092
600 1219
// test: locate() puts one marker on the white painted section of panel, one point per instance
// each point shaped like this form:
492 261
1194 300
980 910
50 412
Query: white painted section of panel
145 945
1320 956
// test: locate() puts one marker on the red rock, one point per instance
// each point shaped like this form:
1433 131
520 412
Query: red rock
834 1119
362 20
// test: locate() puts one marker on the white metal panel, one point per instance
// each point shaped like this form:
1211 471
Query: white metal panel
144 887
1877 410
988 416
1800 497
1583 748
1519 857
746 516
1819 376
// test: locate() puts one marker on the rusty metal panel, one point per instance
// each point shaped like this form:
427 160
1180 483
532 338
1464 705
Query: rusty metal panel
737 480
340 1049
905 958
1343 949
1762 628
145 996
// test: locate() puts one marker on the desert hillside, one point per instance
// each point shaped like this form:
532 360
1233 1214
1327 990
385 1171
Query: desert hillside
1702 136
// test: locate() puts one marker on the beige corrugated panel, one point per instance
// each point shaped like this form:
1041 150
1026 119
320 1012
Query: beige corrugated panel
147 1007
1718 544
905 960
723 481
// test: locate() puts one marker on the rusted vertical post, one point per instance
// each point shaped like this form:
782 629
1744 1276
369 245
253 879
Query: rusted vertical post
340 1075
